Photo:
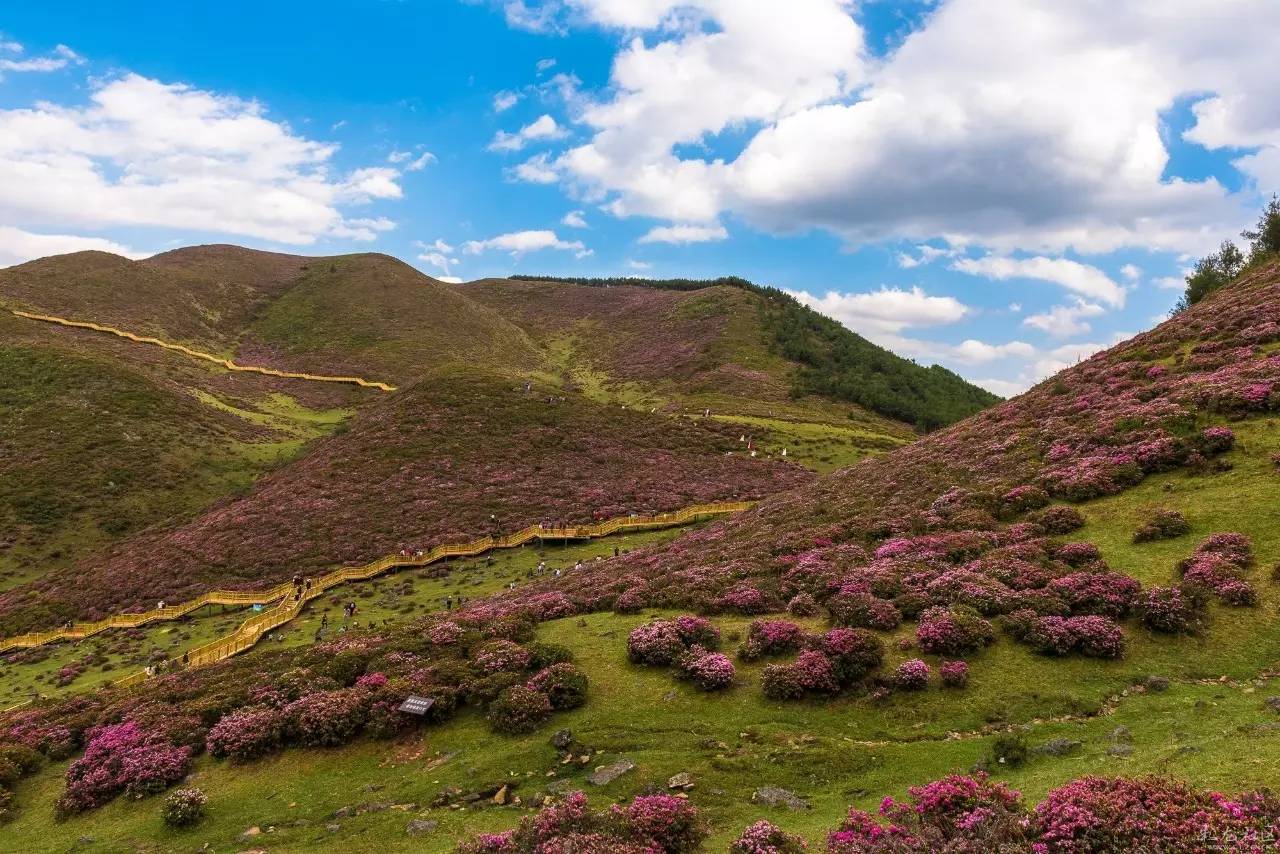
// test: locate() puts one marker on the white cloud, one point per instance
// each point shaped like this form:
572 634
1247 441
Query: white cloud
974 351
1131 272
888 310
146 153
928 254
1064 321
410 162
542 128
545 65
17 246
439 255
536 170
62 57
639 265
1076 277
1004 388
1016 125
504 101
520 242
574 219
1170 283
1061 358
684 234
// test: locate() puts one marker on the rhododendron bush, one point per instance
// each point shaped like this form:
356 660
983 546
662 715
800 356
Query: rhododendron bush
1093 815
650 824
139 740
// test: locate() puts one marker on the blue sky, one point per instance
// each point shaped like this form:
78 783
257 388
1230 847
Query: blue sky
1001 187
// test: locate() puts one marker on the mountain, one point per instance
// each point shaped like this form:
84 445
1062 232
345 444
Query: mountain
1068 592
785 347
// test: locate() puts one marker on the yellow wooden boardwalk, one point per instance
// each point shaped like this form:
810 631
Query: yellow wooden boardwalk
252 630
196 354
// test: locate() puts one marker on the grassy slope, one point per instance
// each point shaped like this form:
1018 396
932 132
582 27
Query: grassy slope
1213 732
428 465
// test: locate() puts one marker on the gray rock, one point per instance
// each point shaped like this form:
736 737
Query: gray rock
1121 735
772 796
606 774
1058 747
1157 684
342 812
420 826
562 739
333 828
683 780
1273 703
1120 750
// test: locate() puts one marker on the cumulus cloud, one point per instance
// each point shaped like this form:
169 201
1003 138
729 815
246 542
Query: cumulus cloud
684 234
1016 125
888 310
17 245
574 219
439 255
410 161
1076 277
536 170
1065 321
521 242
504 101
542 128
61 57
147 153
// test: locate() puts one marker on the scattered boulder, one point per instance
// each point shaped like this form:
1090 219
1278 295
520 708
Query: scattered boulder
562 739
606 774
1058 747
1121 735
772 796
1157 684
682 781
418 827
1273 704
1120 750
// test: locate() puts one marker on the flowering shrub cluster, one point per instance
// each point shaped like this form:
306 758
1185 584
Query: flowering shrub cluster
1218 566
835 661
863 610
1091 815
710 671
687 643
771 637
658 643
139 740
122 758
911 675
1173 610
954 674
764 837
1092 636
1163 525
1108 594
953 631
650 824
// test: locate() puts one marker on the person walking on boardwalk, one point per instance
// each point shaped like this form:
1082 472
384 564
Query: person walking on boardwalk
186 659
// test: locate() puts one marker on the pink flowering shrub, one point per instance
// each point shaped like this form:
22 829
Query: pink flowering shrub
1059 519
764 837
771 637
1170 609
746 599
651 824
657 643
502 656
854 653
957 814
710 671
911 675
326 718
811 673
1108 594
519 709
184 807
246 733
122 758
1020 499
1092 636
864 611
953 631
564 685
1233 547
803 605
1153 814
444 633
1077 554
697 631
1216 440
954 674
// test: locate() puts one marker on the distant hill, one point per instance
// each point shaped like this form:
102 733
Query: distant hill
825 358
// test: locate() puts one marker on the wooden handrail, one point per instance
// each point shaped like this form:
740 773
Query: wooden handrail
197 354
251 630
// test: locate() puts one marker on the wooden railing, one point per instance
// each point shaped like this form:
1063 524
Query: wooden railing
197 354
291 599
